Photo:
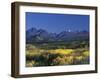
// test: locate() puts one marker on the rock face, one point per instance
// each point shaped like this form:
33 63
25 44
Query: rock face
40 35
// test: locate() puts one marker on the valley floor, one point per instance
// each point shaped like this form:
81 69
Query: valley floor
38 55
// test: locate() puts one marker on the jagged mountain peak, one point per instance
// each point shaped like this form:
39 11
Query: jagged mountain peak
34 35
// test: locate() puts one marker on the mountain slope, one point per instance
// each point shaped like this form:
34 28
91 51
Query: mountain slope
40 35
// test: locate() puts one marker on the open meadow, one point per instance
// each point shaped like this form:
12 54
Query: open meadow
57 53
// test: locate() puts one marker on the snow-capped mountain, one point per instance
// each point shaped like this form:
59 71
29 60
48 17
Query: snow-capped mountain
40 35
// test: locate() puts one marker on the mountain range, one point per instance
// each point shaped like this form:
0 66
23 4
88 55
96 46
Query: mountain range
41 35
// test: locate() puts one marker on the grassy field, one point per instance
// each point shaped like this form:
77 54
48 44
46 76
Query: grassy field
57 53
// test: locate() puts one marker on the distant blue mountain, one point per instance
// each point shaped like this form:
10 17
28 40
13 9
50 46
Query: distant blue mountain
40 35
